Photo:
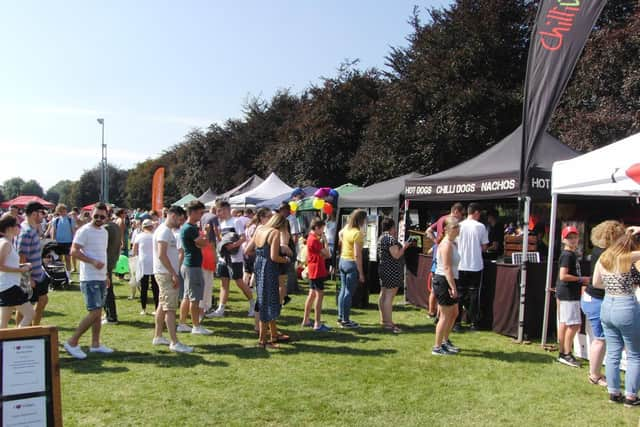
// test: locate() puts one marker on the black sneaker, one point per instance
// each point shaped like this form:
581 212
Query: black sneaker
569 360
628 403
616 398
448 345
440 351
349 324
457 328
286 300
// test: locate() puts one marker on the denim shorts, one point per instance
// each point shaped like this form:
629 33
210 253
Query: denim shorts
94 292
591 308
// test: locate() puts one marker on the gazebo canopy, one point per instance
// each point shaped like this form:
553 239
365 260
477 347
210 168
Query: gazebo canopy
270 188
381 194
494 174
207 196
21 202
249 184
276 201
185 200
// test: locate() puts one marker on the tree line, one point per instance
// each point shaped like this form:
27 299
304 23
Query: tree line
451 93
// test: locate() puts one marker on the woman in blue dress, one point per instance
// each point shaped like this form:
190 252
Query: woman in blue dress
266 243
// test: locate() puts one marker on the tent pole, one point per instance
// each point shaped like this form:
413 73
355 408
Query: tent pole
404 236
547 293
523 267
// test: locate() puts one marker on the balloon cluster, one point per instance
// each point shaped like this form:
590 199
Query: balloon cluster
324 198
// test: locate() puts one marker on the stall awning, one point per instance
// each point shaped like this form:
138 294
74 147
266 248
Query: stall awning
613 170
494 174
381 194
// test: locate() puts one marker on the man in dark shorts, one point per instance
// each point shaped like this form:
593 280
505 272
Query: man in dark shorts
62 231
30 251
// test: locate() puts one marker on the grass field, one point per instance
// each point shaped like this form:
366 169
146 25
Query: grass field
344 377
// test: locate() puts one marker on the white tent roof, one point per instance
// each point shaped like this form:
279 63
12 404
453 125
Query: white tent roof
613 170
270 188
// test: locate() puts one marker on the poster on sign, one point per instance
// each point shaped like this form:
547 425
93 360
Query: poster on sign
23 367
25 412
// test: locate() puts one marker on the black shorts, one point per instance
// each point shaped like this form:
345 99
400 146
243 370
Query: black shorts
248 264
283 269
441 290
233 271
14 296
42 288
63 248
317 284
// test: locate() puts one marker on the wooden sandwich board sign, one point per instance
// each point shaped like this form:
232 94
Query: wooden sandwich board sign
30 374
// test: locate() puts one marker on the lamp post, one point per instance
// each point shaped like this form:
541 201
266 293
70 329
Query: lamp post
104 172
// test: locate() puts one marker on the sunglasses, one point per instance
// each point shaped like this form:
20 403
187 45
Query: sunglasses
103 217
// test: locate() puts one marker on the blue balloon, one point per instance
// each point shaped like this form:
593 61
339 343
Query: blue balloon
333 193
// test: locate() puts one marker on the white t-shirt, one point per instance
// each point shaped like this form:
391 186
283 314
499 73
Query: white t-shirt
94 245
473 235
330 232
165 234
144 241
232 225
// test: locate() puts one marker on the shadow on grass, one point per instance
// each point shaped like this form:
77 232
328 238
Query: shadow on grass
511 357
162 359
291 348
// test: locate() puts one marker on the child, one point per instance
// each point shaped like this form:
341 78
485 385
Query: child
317 252
568 291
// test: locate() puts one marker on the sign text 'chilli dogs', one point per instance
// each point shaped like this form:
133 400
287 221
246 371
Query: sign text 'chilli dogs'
463 188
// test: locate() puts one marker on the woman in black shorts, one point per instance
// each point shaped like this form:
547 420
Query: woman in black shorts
11 294
444 287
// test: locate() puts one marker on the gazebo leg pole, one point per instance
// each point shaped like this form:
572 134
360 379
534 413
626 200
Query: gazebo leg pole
523 267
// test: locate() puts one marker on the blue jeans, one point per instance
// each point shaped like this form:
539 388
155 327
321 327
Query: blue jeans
348 283
591 307
620 318
94 292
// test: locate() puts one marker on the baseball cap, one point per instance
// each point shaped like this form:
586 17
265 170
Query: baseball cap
147 223
568 230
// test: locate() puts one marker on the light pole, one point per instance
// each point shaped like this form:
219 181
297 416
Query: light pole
104 171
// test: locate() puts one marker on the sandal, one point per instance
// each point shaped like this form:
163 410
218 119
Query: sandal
601 380
392 328
282 338
261 344
272 345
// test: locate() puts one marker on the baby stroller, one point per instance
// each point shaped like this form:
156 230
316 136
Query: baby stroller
53 267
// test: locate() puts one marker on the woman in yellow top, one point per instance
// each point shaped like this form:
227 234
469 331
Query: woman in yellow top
351 271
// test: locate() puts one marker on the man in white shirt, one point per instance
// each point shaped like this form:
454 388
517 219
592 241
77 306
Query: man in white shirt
472 241
230 257
90 247
166 268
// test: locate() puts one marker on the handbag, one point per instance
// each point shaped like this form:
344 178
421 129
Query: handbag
25 284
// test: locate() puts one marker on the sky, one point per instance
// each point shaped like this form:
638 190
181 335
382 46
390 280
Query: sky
154 70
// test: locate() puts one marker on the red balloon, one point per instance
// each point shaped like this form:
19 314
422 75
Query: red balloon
327 208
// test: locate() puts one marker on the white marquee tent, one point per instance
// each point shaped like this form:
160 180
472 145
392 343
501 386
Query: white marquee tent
611 171
270 188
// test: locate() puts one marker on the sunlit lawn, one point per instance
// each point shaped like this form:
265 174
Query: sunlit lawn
344 377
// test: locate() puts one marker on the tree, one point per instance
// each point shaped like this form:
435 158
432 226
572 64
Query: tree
602 101
32 188
453 92
12 187
59 191
1 195
87 189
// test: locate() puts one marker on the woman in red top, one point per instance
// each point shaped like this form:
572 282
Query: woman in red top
317 253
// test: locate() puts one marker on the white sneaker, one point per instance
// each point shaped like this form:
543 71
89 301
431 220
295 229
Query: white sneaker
217 313
160 341
153 313
75 351
106 321
200 330
211 314
183 328
180 348
143 313
102 349
251 312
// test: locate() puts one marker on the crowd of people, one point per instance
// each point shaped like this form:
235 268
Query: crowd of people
178 253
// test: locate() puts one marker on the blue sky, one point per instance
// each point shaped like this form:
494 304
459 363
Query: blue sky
156 69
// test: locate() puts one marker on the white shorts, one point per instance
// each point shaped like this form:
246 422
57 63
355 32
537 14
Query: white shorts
570 313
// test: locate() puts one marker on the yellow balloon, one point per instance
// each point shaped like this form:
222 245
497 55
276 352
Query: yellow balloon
318 203
293 205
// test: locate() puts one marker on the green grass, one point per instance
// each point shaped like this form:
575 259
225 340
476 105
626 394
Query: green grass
345 377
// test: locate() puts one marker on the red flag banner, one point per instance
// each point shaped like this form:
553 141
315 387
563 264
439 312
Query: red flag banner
157 191
558 37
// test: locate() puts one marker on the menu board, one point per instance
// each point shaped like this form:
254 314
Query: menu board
30 378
